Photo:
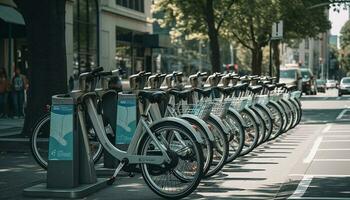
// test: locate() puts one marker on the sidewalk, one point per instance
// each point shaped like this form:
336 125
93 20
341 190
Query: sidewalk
11 138
10 127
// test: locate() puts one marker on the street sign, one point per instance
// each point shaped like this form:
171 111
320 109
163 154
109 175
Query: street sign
277 31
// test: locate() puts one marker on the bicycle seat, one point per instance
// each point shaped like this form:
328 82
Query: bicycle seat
241 87
291 87
183 94
255 89
153 96
280 85
226 90
206 92
270 87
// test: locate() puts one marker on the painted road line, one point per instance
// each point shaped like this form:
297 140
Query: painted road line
327 128
333 149
340 131
342 113
323 175
328 198
302 187
336 141
313 151
336 136
333 160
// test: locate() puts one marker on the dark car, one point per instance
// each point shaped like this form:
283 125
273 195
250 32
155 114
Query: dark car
344 86
309 82
321 85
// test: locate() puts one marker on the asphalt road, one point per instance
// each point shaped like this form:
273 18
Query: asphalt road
311 161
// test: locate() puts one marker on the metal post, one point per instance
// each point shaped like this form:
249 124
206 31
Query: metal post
270 58
200 56
10 50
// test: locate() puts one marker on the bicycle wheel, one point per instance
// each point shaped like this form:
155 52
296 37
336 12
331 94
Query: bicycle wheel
236 136
262 125
40 142
207 146
289 114
220 147
181 176
277 118
267 118
251 131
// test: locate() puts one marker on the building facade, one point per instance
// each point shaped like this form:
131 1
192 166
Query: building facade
108 33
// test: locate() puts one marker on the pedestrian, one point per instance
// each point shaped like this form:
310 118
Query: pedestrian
19 85
4 84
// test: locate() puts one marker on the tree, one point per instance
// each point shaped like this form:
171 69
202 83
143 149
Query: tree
251 27
45 25
201 17
345 46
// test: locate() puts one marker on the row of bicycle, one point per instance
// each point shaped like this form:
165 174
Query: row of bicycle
186 130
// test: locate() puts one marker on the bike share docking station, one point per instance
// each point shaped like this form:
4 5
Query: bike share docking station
70 172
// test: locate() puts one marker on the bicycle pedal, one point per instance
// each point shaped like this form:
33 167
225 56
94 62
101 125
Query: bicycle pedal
111 180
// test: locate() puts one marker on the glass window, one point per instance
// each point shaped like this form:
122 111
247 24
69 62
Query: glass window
307 43
306 59
85 34
138 5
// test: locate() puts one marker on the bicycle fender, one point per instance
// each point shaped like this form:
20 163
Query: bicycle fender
263 106
239 116
190 118
277 105
183 123
256 119
218 119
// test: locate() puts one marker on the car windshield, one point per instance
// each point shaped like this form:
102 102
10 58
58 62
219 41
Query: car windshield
330 81
288 73
346 80
305 74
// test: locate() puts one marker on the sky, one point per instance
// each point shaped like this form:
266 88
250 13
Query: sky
338 20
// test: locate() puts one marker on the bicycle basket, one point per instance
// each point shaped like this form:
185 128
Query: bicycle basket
201 109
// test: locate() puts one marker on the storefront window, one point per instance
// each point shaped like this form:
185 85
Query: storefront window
85 34
138 5
130 54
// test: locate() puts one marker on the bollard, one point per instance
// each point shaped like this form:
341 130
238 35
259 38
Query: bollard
70 172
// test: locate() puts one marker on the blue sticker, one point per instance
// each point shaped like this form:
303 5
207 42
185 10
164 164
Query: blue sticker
61 133
126 120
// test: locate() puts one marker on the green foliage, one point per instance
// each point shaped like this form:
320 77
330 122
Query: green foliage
345 35
345 46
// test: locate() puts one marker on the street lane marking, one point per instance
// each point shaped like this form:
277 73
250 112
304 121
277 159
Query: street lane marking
336 141
330 198
333 149
342 113
326 160
302 187
340 131
336 136
322 175
326 129
313 151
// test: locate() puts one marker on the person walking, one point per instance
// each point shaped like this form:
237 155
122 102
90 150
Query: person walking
19 85
3 91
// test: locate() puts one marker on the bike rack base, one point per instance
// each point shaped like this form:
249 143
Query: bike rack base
81 191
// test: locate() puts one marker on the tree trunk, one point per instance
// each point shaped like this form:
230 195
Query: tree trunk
47 72
213 38
276 57
257 56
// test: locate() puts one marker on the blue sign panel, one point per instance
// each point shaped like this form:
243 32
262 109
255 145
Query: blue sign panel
61 133
126 119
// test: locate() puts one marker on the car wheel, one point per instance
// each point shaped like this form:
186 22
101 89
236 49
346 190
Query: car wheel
340 94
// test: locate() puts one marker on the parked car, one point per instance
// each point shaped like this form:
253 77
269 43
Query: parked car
331 84
309 81
291 76
321 85
344 86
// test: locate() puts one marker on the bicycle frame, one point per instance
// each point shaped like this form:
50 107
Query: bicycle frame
131 153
